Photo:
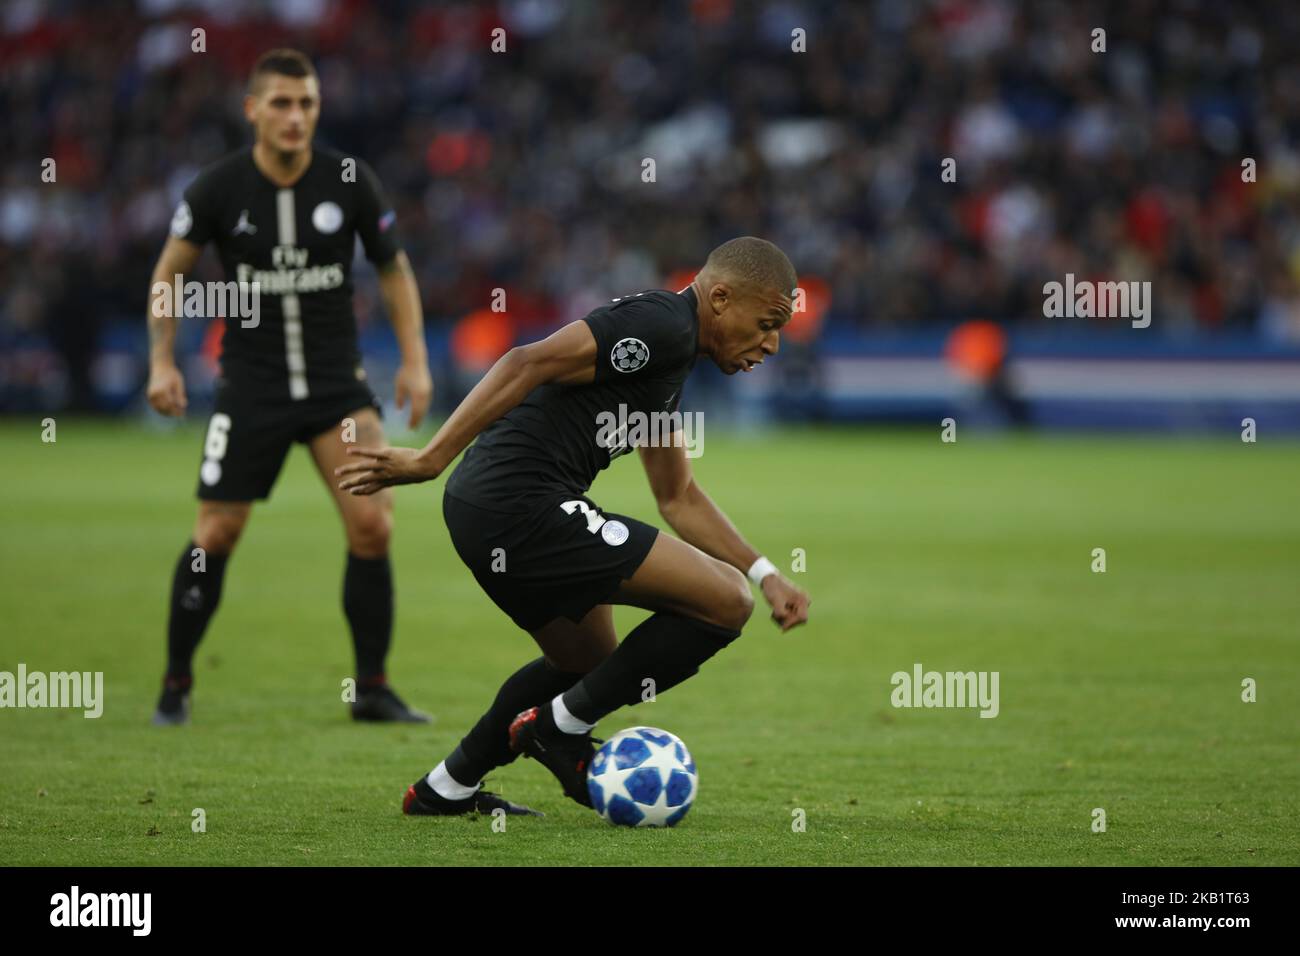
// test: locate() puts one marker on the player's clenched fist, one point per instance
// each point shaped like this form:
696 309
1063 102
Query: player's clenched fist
789 603
166 389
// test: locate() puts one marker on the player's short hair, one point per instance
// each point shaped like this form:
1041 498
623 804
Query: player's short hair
281 62
753 261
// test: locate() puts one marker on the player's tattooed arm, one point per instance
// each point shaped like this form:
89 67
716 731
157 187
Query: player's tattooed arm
566 357
401 295
699 522
166 389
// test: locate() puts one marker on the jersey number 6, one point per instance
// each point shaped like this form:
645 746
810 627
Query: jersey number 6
214 446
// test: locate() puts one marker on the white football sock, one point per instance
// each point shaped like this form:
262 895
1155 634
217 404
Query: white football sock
566 721
445 785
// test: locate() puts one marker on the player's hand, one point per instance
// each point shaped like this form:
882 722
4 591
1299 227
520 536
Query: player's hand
381 468
166 390
789 603
414 383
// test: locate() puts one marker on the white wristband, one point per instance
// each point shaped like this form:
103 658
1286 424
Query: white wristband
761 569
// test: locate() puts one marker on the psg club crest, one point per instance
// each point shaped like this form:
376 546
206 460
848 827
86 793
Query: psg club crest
614 533
327 217
182 220
629 355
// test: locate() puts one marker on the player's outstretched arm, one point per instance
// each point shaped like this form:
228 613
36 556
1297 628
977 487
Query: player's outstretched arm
567 357
401 295
699 522
166 389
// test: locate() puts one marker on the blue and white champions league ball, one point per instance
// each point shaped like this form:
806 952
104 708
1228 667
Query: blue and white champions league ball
643 777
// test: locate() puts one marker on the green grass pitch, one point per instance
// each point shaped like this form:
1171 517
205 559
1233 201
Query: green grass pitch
1118 690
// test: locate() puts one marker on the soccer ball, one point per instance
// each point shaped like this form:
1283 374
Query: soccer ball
643 777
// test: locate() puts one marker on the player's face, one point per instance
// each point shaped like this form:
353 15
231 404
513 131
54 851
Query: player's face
750 323
284 111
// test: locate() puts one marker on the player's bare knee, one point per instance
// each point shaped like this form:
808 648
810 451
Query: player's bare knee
734 601
217 532
369 532
744 600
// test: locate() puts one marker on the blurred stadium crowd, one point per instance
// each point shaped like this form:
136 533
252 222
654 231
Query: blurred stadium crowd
523 169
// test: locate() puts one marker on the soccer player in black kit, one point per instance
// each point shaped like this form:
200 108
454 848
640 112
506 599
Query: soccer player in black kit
285 215
548 556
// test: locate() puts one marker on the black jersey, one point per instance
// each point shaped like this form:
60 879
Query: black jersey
561 436
297 244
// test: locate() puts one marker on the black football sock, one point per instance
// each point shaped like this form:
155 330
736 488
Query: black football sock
368 604
195 595
664 648
487 746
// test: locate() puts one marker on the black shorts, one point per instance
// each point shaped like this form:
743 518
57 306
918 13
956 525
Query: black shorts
248 437
560 559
